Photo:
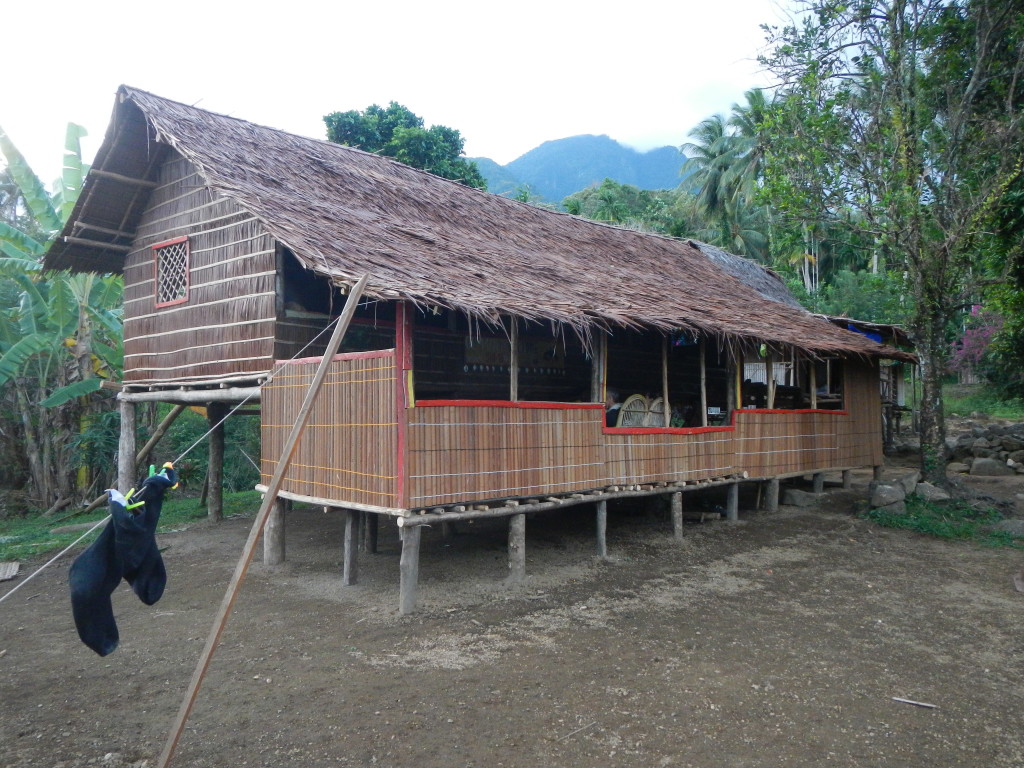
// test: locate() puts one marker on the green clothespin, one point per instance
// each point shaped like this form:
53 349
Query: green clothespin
152 470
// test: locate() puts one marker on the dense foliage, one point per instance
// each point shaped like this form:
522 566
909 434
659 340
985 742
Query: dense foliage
397 132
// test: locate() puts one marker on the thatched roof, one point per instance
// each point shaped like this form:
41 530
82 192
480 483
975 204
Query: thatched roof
344 212
763 280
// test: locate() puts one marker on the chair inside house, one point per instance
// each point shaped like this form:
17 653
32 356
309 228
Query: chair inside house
633 412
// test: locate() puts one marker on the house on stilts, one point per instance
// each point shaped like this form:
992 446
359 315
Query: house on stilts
473 378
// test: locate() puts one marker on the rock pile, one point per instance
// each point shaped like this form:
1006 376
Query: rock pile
988 450
891 495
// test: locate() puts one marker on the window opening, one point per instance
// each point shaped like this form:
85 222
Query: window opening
171 271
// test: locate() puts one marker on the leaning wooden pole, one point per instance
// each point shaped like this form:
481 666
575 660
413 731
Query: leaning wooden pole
257 526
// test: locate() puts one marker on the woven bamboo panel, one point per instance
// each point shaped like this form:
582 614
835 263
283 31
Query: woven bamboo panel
862 442
468 453
635 459
786 442
349 449
226 326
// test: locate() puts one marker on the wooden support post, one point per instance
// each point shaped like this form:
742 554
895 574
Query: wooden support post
876 472
160 431
409 569
273 534
371 532
602 529
598 372
732 504
126 448
818 481
770 500
739 380
513 364
517 549
769 380
666 409
215 471
703 385
847 478
350 559
813 376
242 567
677 515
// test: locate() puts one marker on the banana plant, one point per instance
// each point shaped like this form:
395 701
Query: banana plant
60 333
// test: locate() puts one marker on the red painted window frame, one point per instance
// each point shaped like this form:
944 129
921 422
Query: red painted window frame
156 271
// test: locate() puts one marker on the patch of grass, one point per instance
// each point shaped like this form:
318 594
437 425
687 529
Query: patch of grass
967 399
29 537
948 520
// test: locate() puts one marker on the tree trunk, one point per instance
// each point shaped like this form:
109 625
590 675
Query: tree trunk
931 349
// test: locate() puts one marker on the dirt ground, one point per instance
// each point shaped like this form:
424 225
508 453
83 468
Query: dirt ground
780 640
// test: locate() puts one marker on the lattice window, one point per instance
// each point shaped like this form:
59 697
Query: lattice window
171 260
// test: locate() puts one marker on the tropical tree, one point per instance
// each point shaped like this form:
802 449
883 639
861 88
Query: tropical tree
60 333
908 112
399 133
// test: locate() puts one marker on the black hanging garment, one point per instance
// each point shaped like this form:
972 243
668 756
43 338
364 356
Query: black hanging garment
125 549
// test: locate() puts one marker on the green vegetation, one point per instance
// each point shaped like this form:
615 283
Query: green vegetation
964 400
29 537
948 520
399 133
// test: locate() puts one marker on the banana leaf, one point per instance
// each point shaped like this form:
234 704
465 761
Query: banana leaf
71 391
12 363
36 197
23 243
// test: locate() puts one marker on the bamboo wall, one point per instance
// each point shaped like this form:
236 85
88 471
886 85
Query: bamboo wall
470 452
226 328
360 448
349 449
651 456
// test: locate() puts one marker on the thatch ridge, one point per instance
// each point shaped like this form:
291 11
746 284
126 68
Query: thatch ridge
344 212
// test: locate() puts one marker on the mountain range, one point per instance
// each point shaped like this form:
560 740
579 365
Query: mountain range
558 168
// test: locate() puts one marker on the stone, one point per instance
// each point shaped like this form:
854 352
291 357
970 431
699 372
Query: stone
883 495
990 467
794 497
1017 456
1013 526
910 482
896 508
984 453
930 492
1011 444
957 468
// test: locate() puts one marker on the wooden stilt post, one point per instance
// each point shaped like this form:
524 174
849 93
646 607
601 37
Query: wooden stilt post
409 569
517 549
771 495
370 536
876 472
262 515
350 560
818 481
732 504
602 529
126 452
273 534
215 471
677 515
847 478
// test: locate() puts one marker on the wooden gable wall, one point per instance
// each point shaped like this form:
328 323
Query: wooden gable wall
225 329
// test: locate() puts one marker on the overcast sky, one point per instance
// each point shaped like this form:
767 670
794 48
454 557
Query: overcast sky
508 76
